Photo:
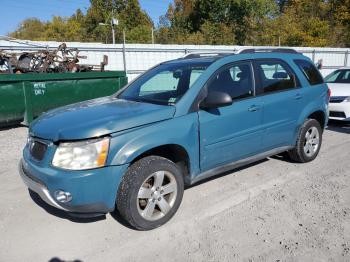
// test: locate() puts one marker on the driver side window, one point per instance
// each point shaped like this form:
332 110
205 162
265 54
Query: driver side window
236 80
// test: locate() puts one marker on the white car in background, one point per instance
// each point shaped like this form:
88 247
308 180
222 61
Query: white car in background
339 83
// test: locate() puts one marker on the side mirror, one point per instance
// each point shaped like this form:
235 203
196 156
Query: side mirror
216 100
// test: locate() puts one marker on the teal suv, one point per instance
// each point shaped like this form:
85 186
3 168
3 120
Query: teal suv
180 122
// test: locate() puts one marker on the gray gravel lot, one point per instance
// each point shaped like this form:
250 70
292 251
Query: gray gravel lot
271 211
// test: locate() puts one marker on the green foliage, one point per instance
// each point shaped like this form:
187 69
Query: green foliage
227 22
217 21
31 29
141 34
260 22
80 27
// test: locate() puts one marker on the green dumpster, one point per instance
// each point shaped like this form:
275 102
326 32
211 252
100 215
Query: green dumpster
25 96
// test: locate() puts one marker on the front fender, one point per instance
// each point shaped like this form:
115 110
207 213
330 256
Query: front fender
182 131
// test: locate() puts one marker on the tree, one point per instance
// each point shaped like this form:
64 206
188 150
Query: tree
80 27
301 23
235 19
132 16
128 12
341 23
30 29
242 22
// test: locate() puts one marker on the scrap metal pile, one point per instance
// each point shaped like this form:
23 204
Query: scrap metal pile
60 60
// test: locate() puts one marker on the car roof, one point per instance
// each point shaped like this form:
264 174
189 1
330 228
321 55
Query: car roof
211 57
199 60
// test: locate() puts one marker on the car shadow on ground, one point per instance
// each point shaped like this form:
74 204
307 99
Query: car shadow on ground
56 259
284 157
74 218
10 126
115 214
60 213
338 126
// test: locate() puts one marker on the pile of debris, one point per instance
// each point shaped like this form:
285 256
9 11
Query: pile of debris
60 60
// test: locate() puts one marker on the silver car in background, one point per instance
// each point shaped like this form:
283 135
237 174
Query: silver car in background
339 83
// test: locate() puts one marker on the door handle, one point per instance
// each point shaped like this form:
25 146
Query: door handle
253 108
298 96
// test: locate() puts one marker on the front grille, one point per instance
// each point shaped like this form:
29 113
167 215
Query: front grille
37 150
337 114
337 99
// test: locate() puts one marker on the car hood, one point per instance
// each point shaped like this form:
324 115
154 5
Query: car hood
96 118
339 89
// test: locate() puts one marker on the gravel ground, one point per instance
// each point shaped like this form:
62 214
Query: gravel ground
270 211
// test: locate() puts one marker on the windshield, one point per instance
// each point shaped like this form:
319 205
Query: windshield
339 76
164 84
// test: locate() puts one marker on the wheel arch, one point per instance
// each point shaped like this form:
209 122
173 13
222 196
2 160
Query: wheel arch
174 152
311 112
319 116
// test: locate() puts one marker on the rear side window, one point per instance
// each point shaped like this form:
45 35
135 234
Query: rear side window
275 76
310 71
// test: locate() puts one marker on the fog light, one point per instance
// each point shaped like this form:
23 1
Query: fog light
63 197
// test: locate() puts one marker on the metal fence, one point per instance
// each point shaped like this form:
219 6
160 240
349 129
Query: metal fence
136 58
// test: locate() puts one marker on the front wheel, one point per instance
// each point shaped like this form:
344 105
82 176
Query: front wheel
309 142
150 193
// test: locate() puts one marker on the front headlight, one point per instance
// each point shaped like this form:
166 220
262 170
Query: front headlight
82 155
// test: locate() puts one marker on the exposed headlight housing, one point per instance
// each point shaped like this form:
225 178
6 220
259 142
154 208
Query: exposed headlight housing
82 155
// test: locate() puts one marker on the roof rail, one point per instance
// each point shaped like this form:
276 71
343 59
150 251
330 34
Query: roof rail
206 54
268 50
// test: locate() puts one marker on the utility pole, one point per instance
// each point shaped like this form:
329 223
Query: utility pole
152 35
124 51
113 32
113 23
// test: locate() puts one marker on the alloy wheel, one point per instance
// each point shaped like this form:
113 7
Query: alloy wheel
157 195
312 141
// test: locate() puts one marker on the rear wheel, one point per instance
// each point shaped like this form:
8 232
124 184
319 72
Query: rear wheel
309 142
150 193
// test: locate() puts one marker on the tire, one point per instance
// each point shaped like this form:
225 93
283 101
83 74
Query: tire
308 143
144 188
